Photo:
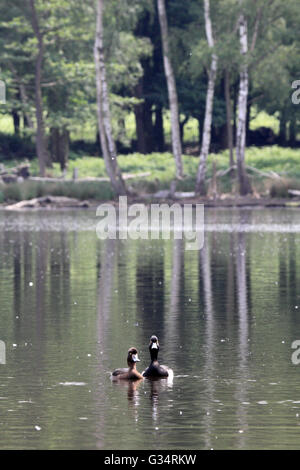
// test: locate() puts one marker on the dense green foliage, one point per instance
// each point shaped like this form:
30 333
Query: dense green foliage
137 85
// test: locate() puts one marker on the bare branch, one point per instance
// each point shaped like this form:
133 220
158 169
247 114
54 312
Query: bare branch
256 28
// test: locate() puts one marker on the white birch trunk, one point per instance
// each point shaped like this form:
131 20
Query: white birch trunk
244 183
172 92
206 135
104 118
229 117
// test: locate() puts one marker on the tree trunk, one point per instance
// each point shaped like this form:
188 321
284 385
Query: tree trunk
139 119
181 126
24 100
172 92
235 107
221 137
54 143
41 145
229 117
22 95
244 182
59 145
143 120
200 130
104 120
248 119
293 131
159 130
148 126
206 136
16 120
282 129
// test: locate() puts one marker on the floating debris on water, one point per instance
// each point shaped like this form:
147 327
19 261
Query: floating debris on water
69 384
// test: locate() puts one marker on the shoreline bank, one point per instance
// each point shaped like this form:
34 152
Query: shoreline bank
58 203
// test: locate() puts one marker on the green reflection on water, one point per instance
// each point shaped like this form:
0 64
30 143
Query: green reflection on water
226 317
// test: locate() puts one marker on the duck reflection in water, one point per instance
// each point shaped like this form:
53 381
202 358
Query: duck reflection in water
132 389
158 386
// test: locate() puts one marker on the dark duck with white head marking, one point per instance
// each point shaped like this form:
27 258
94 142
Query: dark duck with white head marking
155 370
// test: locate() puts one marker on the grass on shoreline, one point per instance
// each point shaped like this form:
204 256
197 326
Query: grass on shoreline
283 161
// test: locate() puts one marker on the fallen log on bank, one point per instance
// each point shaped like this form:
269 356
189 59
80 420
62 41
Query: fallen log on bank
294 192
272 174
52 202
88 179
166 193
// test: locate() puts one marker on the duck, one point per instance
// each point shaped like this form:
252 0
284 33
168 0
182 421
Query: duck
155 370
131 372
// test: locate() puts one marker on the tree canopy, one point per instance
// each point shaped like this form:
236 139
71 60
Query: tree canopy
50 53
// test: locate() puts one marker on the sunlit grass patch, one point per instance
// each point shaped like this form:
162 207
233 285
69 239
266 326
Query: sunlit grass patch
33 189
161 172
6 124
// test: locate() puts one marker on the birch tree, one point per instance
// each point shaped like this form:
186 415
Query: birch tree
103 109
262 16
172 92
228 116
206 135
244 182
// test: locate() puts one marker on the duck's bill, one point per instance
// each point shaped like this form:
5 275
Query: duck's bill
135 358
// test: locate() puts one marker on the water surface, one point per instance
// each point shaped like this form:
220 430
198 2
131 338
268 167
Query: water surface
226 316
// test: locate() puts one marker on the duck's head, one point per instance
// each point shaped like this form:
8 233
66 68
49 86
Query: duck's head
132 357
154 347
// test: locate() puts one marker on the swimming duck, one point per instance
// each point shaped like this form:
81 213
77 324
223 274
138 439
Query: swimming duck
155 369
131 373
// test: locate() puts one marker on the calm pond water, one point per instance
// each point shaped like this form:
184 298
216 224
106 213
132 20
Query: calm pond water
226 316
